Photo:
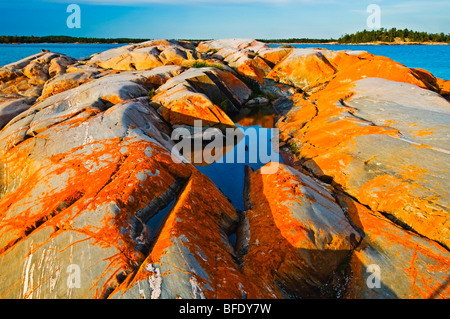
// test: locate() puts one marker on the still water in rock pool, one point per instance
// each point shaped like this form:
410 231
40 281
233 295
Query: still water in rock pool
256 125
230 177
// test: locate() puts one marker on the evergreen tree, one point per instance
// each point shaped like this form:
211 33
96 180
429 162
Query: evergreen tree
391 35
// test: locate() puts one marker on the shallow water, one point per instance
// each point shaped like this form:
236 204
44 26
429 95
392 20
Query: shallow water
230 177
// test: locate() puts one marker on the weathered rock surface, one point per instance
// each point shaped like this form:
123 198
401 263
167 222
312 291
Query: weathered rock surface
23 75
22 82
67 81
206 94
387 150
409 266
146 55
302 68
74 198
188 262
92 204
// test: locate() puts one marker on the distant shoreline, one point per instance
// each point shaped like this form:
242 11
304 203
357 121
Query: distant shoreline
380 36
21 43
362 43
271 43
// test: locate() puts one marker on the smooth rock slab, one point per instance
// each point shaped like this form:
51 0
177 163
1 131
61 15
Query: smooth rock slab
84 187
144 56
68 192
392 262
206 94
188 262
293 238
382 142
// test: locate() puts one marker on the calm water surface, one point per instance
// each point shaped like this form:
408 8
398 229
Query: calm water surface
13 52
434 58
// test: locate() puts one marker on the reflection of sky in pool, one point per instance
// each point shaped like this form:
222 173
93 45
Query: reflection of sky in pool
229 175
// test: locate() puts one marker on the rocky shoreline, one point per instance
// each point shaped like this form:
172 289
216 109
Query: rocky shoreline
359 209
365 43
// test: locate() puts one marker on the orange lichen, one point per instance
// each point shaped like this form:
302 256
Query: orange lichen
275 56
255 69
96 178
408 256
302 71
325 142
444 87
201 206
192 107
283 245
422 133
401 196
351 70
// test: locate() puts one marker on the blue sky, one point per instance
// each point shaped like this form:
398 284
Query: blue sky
200 19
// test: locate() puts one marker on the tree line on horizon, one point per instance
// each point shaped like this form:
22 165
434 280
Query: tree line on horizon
64 39
393 35
365 36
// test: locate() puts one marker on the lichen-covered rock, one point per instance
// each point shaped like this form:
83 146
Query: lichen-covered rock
22 76
189 262
294 235
93 205
96 156
79 201
22 82
144 56
353 66
93 96
66 81
206 94
392 262
251 59
231 50
303 68
387 150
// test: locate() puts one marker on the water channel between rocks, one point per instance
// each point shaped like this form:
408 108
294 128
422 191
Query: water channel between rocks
230 177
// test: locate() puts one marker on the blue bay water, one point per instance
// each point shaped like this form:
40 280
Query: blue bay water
433 58
13 52
229 174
